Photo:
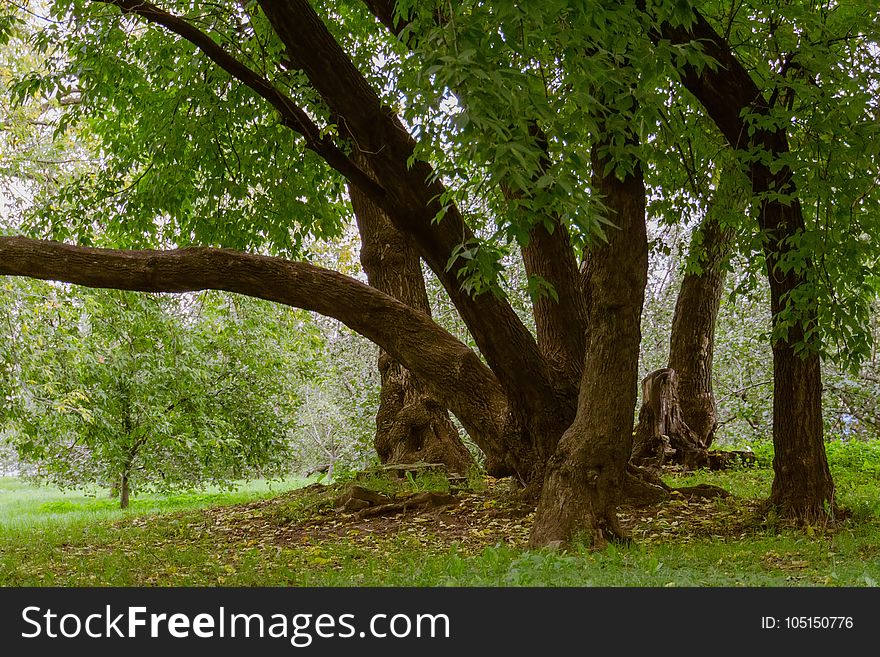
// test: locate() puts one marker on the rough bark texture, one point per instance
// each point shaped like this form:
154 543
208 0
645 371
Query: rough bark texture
662 436
406 189
411 197
692 340
533 410
802 486
411 426
587 473
560 324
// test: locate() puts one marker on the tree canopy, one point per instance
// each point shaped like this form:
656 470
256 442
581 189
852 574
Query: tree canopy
230 139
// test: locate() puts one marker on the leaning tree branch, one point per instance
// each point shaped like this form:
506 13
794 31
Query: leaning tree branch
454 374
729 95
403 191
414 193
560 324
292 115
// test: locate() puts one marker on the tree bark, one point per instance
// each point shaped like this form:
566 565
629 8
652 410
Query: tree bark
411 426
412 200
802 486
409 192
587 473
692 339
405 188
560 323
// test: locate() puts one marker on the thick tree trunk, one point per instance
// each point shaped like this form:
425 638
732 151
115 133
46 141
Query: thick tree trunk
406 188
692 340
560 323
411 195
411 426
586 475
802 486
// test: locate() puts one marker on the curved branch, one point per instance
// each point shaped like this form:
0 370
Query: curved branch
560 324
453 373
292 116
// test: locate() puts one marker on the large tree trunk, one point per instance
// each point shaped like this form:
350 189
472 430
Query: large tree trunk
409 192
411 426
586 475
692 339
802 486
560 323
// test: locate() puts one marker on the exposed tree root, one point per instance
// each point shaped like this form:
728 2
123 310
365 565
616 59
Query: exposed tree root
705 491
368 503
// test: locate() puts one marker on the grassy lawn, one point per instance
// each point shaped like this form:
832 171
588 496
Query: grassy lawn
25 507
276 534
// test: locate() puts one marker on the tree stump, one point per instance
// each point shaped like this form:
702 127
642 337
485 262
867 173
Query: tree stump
662 437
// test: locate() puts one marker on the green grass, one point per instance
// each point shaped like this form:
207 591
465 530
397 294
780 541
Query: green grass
25 507
74 538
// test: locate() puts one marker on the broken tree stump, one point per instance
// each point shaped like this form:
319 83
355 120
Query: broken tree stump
662 437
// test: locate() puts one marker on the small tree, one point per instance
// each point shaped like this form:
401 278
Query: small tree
147 392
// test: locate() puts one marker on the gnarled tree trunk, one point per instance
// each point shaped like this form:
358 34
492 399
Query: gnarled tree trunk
411 425
586 475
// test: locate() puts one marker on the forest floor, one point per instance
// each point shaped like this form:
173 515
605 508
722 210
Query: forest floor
473 521
476 536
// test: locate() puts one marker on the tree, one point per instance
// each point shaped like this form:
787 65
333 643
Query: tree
139 392
411 426
472 121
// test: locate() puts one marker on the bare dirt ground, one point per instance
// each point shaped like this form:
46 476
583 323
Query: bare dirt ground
472 521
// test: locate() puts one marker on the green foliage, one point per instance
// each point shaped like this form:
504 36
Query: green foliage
169 393
336 422
187 155
504 99
855 456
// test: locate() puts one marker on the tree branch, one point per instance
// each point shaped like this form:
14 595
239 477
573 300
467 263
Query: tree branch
560 325
454 374
413 193
292 116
